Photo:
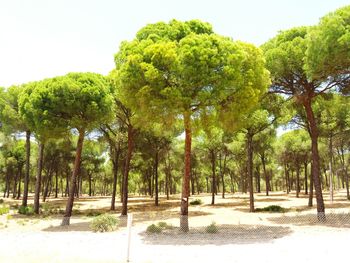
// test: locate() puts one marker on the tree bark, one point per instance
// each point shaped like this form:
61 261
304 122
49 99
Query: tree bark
115 155
213 180
315 160
298 181
186 177
305 173
263 161
27 171
126 169
19 182
38 178
156 160
73 181
311 191
249 137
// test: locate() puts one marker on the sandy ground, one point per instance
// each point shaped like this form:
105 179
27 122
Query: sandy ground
295 236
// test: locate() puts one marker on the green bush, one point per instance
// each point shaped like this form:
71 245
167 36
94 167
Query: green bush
93 213
212 228
154 229
104 223
196 202
164 225
4 210
272 208
1 201
26 210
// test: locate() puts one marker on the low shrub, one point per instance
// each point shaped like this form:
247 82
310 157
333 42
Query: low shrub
164 225
272 208
1 201
154 229
212 228
104 223
196 202
26 210
4 210
93 213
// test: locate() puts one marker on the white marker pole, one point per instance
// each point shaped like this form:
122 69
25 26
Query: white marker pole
129 237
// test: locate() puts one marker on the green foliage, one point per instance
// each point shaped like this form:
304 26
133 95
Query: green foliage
1 201
26 210
4 210
328 52
154 229
212 228
196 202
272 208
104 223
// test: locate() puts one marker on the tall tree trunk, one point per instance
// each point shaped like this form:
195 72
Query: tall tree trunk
250 170
38 178
305 173
126 169
115 155
73 181
298 181
56 183
311 192
222 173
156 160
15 181
27 171
185 193
213 180
330 150
315 160
258 183
263 161
286 173
19 182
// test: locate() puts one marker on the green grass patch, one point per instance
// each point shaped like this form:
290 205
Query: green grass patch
104 223
272 208
4 210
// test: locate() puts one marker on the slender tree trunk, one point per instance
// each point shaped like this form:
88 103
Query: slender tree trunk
258 183
73 181
126 170
311 192
115 162
298 181
263 161
305 173
19 182
15 181
222 172
156 160
38 178
315 160
250 170
193 174
213 181
186 178
27 171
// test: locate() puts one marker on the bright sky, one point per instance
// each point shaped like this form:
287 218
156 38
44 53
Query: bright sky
47 38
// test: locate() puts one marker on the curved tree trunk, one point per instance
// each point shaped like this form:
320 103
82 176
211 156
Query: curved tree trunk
73 181
315 160
26 175
250 171
186 177
38 178
126 170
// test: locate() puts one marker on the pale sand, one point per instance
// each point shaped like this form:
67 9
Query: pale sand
243 237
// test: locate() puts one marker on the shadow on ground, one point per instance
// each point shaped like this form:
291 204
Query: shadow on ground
337 220
81 226
227 234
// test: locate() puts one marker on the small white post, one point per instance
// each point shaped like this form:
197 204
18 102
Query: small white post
129 237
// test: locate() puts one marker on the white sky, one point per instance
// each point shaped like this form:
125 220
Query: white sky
46 38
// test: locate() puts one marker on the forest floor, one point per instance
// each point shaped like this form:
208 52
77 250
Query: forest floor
294 235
